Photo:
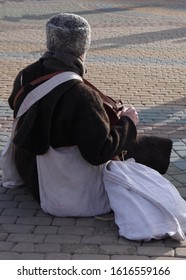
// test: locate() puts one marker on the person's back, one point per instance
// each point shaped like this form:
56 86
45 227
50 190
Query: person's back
71 117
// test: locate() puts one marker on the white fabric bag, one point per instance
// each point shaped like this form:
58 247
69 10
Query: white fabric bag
146 205
69 185
10 175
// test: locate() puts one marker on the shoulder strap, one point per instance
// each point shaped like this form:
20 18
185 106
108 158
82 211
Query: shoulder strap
40 91
34 82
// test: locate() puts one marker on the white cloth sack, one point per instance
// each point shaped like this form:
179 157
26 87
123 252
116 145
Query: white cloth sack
146 205
69 185
10 175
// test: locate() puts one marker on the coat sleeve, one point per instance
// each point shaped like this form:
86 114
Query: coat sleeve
97 141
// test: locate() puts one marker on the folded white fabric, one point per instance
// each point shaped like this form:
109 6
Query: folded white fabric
146 205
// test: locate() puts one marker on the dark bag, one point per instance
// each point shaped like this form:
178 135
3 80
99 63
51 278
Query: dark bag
151 151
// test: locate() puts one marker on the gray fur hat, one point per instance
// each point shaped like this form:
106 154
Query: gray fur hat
68 33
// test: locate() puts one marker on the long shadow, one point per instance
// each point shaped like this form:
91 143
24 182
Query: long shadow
165 111
29 17
142 38
92 11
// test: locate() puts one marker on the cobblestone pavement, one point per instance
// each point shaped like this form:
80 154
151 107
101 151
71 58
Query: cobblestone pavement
138 53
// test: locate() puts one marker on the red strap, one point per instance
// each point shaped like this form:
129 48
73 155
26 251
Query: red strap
33 83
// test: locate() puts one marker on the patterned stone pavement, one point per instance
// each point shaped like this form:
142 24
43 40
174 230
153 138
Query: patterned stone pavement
138 53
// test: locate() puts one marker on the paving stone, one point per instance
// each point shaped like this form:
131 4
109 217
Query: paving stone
128 257
8 204
27 237
99 240
106 231
6 246
46 230
57 256
7 219
6 197
76 230
23 247
63 239
14 228
24 197
9 256
19 212
89 257
124 241
63 221
80 249
47 248
174 243
29 205
34 220
180 252
118 249
151 251
91 222
3 236
31 256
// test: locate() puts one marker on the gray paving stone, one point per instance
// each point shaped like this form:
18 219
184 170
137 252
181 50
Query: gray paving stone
57 256
8 204
118 249
124 241
34 220
9 256
90 257
63 221
17 191
46 248
7 219
24 197
14 228
6 246
180 252
63 239
91 222
3 236
19 212
23 247
151 251
27 237
174 243
128 257
76 230
6 197
46 230
2 190
29 205
106 231
99 240
31 256
80 249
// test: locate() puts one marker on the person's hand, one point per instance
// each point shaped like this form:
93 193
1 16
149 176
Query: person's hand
131 113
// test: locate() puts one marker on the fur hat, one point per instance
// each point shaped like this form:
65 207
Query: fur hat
68 33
